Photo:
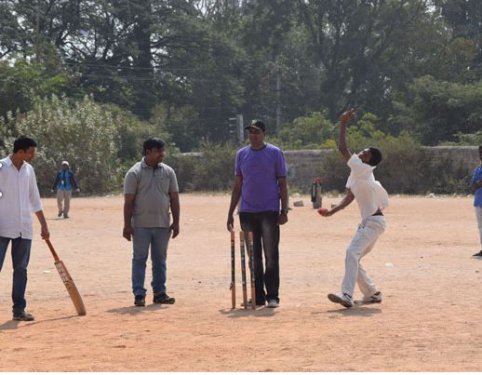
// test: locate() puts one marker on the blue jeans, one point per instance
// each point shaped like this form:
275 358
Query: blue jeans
266 234
157 239
20 258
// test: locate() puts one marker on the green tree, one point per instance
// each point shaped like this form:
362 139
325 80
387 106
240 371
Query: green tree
464 17
440 111
367 50
306 132
82 132
22 82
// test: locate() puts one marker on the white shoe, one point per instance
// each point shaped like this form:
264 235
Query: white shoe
341 298
375 298
272 303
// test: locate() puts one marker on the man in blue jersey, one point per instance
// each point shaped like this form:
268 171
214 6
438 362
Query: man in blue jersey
476 183
64 183
260 183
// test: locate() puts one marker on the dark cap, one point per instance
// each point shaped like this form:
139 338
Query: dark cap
256 124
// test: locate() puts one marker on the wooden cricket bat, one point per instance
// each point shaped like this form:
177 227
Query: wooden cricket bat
251 268
68 282
232 286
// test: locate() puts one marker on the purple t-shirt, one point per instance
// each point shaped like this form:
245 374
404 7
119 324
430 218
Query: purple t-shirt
260 170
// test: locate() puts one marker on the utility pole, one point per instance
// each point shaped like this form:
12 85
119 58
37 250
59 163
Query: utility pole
37 31
275 68
240 125
278 99
236 127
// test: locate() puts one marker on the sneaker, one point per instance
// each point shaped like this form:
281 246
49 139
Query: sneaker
341 298
140 301
23 316
163 298
479 254
375 298
59 214
273 303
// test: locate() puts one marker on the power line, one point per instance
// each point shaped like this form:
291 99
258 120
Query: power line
136 68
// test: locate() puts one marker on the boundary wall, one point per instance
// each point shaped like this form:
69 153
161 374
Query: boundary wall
304 165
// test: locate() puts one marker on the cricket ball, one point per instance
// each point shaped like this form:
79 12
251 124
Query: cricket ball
322 211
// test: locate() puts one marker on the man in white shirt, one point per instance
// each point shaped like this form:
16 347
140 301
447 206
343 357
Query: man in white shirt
371 198
19 197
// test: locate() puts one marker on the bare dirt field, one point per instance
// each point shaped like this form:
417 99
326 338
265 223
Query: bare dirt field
429 320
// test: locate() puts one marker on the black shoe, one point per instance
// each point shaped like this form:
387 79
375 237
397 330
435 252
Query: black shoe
163 298
23 316
59 214
140 301
479 254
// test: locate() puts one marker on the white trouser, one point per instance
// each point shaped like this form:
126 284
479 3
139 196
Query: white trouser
362 243
478 213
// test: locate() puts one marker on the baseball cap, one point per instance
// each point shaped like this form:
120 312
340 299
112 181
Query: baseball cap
256 124
65 162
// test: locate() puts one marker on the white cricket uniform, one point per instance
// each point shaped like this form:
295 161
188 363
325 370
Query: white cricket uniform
370 197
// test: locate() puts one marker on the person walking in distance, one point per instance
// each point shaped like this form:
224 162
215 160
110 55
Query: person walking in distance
476 184
371 198
19 197
150 190
260 183
64 183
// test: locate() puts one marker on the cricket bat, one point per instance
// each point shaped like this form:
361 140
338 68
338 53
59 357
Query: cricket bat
67 280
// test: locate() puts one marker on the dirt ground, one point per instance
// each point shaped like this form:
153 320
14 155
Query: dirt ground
428 321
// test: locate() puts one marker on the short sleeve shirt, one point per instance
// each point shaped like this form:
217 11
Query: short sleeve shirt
477 176
151 187
260 170
369 193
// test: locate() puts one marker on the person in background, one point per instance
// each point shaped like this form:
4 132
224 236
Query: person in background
476 184
64 183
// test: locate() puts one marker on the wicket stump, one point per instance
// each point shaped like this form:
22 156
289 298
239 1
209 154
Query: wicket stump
245 245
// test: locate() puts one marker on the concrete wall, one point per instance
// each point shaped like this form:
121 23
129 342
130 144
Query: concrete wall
466 157
443 169
304 165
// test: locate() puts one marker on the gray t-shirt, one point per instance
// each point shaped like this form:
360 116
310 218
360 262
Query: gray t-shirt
151 187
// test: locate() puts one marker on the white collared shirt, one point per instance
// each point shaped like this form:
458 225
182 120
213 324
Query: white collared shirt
369 193
19 198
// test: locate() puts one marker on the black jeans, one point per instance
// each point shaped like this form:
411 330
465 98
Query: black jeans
266 233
